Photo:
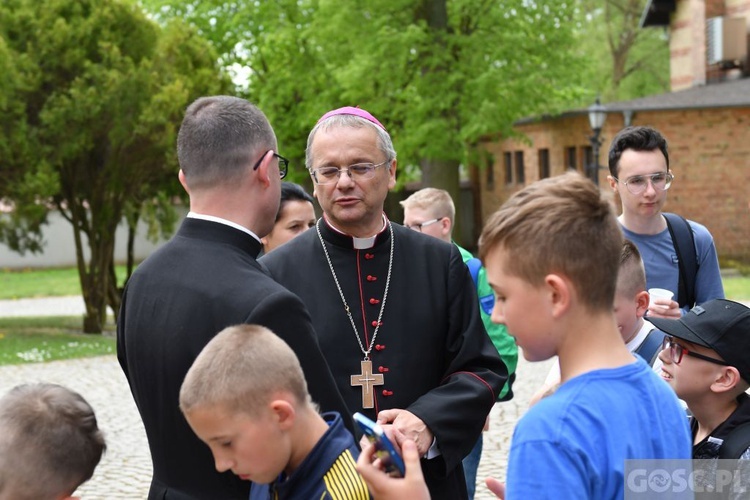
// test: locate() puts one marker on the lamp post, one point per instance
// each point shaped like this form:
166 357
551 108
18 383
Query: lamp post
597 115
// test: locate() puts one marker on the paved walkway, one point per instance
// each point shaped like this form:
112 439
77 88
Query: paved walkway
125 470
45 306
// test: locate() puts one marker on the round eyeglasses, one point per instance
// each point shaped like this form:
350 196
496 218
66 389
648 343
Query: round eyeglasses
676 352
418 227
638 183
358 171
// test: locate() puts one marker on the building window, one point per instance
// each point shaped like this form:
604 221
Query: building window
543 163
489 165
508 163
520 175
571 160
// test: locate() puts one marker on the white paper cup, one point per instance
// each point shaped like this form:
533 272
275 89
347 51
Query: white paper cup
659 293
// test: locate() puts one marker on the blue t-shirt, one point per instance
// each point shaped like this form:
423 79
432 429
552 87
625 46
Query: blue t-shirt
574 443
662 268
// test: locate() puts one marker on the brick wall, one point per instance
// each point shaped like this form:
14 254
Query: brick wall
687 45
709 155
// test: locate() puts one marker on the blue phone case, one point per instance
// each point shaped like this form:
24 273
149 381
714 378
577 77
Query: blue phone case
386 452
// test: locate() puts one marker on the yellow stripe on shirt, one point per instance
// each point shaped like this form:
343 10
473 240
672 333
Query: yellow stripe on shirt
342 480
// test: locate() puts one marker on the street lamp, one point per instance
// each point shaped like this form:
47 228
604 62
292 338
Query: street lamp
597 115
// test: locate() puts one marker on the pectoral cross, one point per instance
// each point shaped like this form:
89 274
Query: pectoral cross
367 380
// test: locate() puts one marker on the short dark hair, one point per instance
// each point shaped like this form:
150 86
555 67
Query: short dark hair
637 139
292 192
219 137
49 441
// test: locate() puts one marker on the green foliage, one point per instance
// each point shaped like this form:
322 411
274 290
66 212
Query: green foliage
438 83
33 340
97 96
627 62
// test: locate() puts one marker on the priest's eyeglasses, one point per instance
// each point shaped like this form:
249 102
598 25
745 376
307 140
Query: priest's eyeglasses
676 352
418 227
358 171
638 183
283 163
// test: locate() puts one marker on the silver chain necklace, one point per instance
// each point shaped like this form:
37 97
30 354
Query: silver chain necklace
366 352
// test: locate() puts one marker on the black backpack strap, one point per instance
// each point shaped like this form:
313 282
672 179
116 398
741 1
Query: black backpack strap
651 346
684 244
736 442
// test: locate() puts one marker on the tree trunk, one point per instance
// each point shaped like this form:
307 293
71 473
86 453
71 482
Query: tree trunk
94 275
443 174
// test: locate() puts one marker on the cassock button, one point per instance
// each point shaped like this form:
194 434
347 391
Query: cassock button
386 392
375 323
369 256
382 369
370 277
374 301
379 347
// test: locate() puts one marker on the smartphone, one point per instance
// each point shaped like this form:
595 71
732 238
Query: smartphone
385 451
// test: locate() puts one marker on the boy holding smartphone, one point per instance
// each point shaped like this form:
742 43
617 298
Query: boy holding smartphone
246 397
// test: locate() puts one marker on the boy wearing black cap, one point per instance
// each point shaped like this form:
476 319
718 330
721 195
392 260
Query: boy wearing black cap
706 358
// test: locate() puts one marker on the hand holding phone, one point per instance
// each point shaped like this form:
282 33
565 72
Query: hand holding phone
385 451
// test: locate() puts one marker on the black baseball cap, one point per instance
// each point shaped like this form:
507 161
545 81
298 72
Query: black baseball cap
719 324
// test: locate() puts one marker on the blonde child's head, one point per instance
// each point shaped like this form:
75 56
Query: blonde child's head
246 397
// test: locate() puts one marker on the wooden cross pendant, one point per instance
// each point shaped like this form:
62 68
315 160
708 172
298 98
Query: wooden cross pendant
367 380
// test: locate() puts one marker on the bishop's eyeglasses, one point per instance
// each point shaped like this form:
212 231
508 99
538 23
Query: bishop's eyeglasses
676 352
638 183
358 171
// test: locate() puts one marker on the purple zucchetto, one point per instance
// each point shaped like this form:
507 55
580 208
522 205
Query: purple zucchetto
355 111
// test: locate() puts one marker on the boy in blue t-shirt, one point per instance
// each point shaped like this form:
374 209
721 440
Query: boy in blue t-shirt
245 396
552 255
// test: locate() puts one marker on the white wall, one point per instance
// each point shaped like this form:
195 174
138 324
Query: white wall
59 247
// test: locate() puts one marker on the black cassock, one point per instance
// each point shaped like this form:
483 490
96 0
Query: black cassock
204 279
436 359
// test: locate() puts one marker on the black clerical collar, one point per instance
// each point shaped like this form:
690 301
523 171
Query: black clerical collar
339 238
193 227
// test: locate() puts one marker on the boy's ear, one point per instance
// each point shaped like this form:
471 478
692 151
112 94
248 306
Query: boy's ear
284 412
727 379
445 226
560 293
641 301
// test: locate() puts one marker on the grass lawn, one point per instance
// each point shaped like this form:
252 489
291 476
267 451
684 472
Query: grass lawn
53 282
737 288
33 340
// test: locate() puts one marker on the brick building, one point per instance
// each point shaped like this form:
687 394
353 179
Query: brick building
705 119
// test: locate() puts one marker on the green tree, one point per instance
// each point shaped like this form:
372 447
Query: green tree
441 74
89 120
628 61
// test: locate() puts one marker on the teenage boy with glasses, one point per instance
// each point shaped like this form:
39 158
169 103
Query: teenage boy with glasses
640 175
706 360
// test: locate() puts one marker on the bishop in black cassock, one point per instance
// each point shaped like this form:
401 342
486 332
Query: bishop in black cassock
431 349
